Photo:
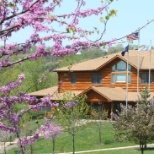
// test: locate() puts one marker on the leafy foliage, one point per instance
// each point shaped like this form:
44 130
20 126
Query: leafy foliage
71 110
41 16
137 124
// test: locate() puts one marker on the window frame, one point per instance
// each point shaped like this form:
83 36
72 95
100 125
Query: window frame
115 72
73 78
147 78
119 66
114 78
96 78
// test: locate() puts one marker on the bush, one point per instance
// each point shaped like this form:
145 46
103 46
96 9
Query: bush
96 115
37 114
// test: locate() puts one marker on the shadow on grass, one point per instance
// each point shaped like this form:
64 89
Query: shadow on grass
108 142
149 149
146 149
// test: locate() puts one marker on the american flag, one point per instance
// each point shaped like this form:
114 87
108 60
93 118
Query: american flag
133 36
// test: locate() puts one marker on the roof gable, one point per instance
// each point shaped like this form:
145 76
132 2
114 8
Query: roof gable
96 64
111 94
132 61
97 91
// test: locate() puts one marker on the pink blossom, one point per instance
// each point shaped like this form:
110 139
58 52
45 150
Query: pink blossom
49 130
29 140
71 104
40 16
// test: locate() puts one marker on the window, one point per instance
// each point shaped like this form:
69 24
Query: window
97 78
113 68
145 78
119 72
116 108
120 78
121 66
97 106
73 79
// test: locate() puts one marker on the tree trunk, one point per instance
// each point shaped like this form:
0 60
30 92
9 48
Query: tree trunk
100 133
31 149
99 124
4 148
10 138
53 145
142 148
21 146
145 144
73 140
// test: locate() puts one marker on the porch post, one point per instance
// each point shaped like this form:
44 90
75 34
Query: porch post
90 109
111 110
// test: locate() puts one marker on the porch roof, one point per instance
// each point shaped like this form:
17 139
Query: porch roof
116 94
111 94
53 93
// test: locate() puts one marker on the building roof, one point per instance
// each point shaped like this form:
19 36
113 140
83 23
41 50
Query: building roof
115 94
95 64
45 92
112 94
53 93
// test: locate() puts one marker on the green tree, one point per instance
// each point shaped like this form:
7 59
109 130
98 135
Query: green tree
34 79
99 114
71 112
9 75
116 48
138 124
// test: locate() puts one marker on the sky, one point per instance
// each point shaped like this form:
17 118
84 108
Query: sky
131 14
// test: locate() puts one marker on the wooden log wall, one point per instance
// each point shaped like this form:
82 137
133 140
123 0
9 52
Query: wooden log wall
95 97
84 79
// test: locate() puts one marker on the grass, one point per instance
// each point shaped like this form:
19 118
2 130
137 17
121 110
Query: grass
86 139
30 127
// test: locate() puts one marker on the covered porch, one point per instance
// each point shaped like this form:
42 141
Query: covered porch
105 99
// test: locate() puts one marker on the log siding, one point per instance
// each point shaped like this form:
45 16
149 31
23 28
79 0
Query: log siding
84 79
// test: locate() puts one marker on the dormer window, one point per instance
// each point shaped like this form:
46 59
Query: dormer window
119 71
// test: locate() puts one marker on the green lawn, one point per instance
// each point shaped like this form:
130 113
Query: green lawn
85 139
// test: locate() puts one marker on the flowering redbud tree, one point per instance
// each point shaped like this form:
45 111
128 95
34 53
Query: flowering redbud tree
50 131
4 137
43 20
9 118
28 141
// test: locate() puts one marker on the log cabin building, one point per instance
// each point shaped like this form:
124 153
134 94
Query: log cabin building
103 80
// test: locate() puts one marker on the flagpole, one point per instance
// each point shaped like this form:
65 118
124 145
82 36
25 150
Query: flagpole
150 65
127 81
138 69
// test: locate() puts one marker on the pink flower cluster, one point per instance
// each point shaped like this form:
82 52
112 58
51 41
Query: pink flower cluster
12 85
41 16
49 130
29 140
71 104
46 101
